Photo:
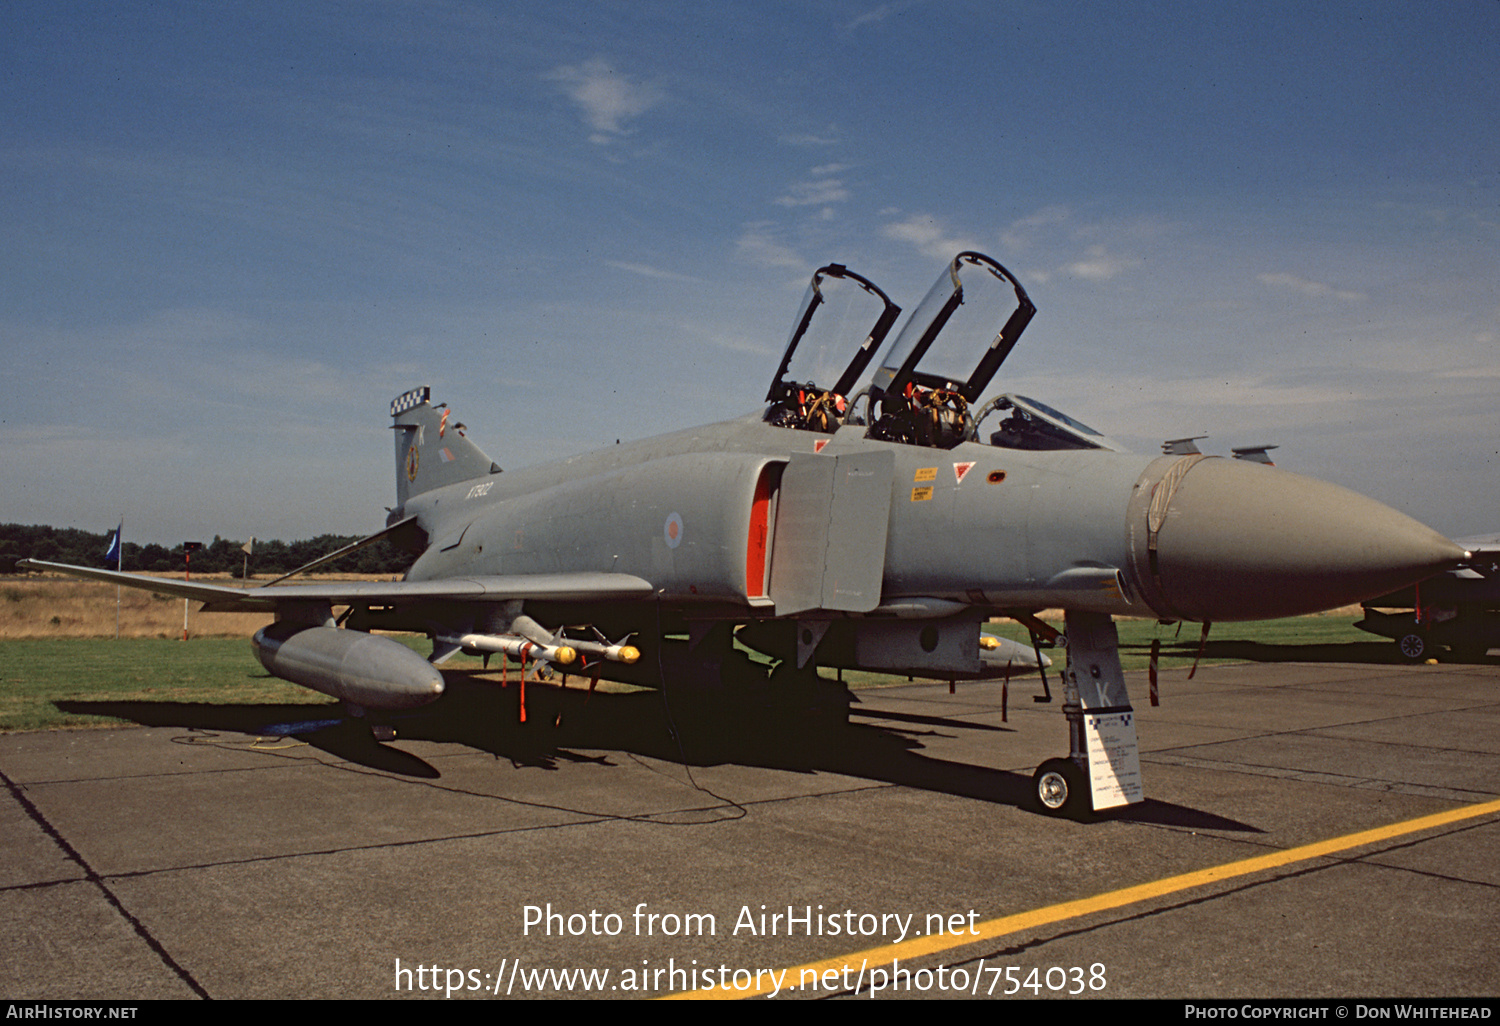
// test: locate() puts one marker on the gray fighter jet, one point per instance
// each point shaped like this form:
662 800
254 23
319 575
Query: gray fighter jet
875 527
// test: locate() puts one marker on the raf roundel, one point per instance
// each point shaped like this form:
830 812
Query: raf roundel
672 531
411 463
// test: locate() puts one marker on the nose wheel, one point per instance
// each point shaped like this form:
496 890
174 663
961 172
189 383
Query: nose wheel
1060 788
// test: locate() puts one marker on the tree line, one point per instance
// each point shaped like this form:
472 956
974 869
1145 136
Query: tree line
222 555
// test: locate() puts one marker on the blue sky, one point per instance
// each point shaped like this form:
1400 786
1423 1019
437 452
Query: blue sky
235 231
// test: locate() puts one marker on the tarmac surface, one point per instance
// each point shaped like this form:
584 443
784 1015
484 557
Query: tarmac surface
200 854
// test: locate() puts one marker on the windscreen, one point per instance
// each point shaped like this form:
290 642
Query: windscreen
1058 415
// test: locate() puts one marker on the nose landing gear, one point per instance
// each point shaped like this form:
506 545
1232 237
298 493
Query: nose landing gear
1103 768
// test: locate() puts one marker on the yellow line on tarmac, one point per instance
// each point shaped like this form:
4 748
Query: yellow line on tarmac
993 928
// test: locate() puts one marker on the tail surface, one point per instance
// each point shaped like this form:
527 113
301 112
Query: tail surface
431 450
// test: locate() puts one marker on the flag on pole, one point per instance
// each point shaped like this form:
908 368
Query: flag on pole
116 552
114 546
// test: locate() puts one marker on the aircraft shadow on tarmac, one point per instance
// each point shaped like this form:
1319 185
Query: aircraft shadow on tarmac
564 725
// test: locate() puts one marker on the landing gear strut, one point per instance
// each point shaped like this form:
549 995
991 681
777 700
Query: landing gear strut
1102 769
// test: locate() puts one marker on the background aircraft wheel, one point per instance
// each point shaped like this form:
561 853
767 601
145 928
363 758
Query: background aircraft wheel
1413 647
1060 789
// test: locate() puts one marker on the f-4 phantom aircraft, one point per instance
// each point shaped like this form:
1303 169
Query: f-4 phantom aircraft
869 522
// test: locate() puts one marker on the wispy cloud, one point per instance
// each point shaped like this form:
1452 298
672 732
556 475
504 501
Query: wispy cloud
929 235
1098 264
1467 373
647 271
818 192
758 245
607 98
828 137
1051 237
1020 233
875 15
732 342
1309 288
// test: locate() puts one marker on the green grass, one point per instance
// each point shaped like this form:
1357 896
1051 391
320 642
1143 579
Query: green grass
1179 642
38 674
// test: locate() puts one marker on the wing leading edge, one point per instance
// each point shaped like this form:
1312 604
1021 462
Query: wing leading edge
218 598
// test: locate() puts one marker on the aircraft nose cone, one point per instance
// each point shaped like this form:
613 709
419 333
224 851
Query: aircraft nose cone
1228 540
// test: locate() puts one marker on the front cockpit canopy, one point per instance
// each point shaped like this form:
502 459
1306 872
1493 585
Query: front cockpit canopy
809 391
947 352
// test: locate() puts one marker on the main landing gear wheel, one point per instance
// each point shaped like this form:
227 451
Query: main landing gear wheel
1060 788
1413 647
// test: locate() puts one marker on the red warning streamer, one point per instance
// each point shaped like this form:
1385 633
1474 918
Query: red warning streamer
1202 644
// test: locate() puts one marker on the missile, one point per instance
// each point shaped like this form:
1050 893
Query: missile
996 653
511 645
528 628
362 669
613 653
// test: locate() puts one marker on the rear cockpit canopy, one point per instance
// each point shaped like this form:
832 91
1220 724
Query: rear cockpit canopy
947 352
842 312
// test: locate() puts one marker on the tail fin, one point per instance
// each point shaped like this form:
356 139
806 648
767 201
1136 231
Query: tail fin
431 451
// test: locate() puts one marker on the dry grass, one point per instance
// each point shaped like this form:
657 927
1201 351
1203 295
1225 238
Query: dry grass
44 606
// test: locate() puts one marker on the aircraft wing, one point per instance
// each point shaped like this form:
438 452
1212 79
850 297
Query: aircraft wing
218 598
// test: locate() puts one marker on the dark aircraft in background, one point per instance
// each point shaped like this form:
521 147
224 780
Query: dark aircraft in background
1459 609
856 521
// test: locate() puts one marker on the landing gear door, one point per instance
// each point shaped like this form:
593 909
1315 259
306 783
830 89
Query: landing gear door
831 524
